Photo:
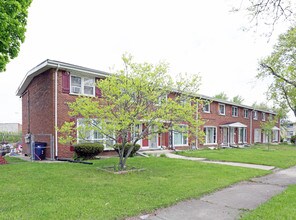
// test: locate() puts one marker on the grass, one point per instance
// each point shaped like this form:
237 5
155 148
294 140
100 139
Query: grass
282 206
282 156
78 191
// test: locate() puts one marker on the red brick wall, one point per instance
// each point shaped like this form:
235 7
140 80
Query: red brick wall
37 108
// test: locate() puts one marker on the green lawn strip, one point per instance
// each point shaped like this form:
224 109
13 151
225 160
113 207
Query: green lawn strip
14 160
282 206
282 158
78 191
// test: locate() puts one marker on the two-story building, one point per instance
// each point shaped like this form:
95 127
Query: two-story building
47 88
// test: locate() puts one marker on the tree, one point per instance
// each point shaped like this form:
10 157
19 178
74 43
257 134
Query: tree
140 95
237 99
280 66
268 12
222 96
267 128
13 17
261 106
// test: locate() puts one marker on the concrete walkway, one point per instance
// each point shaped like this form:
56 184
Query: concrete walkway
228 203
255 166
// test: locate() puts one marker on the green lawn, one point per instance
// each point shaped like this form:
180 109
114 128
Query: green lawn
281 156
282 206
79 191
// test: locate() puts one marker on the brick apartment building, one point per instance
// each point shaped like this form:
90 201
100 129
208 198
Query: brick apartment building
47 88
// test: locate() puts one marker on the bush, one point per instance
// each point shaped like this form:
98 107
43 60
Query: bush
126 148
293 138
88 150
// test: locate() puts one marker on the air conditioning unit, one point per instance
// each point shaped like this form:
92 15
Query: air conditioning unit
76 90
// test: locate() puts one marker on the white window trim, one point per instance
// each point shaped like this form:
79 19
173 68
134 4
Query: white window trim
209 111
215 137
180 145
82 86
246 113
233 115
244 138
263 116
255 118
219 109
92 136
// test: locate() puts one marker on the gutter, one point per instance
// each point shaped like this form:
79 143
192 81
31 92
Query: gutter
56 110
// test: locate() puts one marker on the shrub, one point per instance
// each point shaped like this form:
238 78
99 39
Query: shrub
88 150
293 138
126 148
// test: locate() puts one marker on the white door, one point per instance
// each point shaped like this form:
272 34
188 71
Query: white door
225 136
231 134
153 139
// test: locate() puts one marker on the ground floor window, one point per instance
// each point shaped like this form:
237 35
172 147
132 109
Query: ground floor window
242 135
257 136
275 136
210 135
180 138
87 134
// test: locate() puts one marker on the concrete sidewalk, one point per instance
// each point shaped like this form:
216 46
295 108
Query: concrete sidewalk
231 202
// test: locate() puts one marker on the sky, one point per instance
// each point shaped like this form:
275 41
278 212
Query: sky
194 37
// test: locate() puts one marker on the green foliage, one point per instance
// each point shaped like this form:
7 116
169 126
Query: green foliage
13 17
237 99
10 137
280 67
88 150
127 146
293 139
140 93
221 96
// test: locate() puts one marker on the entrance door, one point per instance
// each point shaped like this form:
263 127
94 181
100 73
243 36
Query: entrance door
231 136
225 136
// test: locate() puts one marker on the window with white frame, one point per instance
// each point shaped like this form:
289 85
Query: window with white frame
82 85
242 135
234 111
206 107
257 135
221 109
86 134
275 136
263 116
255 115
246 113
210 135
181 137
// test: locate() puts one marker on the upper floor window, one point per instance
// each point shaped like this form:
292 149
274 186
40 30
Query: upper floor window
234 111
255 115
82 85
221 109
263 116
206 107
246 113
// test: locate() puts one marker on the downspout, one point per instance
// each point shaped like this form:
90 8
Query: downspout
56 110
251 127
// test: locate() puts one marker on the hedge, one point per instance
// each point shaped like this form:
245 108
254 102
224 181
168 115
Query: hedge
88 150
126 148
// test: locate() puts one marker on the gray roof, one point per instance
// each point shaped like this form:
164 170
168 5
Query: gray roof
49 64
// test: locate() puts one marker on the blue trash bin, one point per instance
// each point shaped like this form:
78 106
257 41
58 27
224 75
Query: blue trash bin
39 151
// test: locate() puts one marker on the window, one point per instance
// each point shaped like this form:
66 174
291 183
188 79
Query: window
275 136
181 137
234 111
221 109
263 116
242 135
255 115
85 134
246 113
210 135
206 108
257 135
82 85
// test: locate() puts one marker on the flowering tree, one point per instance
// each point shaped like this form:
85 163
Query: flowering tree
138 96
